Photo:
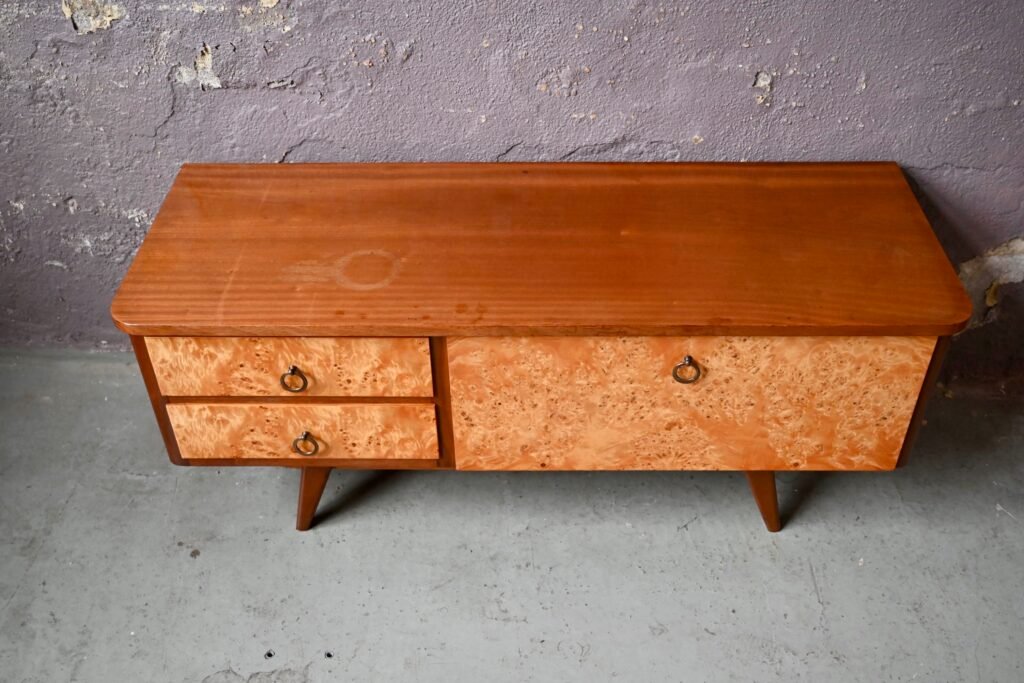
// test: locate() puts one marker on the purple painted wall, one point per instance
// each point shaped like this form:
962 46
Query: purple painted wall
100 102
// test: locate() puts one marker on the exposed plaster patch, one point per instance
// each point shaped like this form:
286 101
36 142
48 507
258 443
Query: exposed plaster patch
89 16
116 244
194 7
764 81
201 72
137 216
263 15
7 250
984 275
377 51
1001 102
405 50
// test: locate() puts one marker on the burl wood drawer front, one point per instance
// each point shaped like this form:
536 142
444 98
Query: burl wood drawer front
762 403
252 366
352 431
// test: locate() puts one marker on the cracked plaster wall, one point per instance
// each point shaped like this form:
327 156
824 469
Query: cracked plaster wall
102 101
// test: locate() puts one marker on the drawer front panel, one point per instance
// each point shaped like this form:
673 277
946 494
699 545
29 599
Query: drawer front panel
252 366
257 430
605 403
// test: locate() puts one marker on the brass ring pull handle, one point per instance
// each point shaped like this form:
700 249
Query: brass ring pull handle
306 438
690 367
294 371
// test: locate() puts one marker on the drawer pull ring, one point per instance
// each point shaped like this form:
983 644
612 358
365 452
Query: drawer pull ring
306 438
689 365
294 371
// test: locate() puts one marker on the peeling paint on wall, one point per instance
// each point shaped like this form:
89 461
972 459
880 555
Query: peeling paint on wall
984 275
89 16
763 81
201 72
264 14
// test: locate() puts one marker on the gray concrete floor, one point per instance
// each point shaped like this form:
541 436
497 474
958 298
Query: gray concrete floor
117 566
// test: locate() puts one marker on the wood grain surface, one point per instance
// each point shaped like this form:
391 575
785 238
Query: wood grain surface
543 249
762 403
252 366
266 431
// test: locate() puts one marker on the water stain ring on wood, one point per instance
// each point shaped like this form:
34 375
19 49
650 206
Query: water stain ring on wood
368 269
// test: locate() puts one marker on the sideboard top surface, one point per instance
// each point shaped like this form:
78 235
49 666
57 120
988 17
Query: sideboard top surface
511 249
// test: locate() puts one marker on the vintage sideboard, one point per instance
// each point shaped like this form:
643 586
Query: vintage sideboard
752 317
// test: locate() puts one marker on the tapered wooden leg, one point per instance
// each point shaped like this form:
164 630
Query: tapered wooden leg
762 484
311 487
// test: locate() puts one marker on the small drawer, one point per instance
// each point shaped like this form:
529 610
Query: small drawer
260 431
308 366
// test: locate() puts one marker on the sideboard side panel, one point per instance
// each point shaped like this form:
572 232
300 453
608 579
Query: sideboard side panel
928 386
607 403
157 400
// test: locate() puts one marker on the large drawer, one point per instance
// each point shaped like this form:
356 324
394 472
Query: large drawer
253 366
348 431
761 403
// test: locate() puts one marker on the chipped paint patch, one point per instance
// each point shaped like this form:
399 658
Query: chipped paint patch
137 216
264 14
405 50
194 7
201 72
984 275
89 16
764 81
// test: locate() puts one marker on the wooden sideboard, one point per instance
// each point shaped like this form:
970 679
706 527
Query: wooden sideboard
753 317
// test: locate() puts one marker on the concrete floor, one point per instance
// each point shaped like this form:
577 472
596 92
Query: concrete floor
117 566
